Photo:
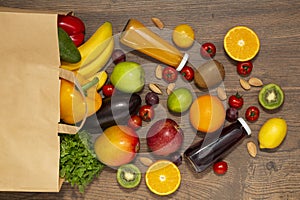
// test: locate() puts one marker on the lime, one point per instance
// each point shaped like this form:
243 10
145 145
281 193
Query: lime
180 100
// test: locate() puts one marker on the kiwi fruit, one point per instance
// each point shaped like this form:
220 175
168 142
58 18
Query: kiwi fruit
129 176
209 75
271 96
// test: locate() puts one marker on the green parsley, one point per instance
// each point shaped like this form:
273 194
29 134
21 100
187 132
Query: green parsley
78 162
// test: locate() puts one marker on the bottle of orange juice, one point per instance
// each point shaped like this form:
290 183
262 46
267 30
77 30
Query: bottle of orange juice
138 37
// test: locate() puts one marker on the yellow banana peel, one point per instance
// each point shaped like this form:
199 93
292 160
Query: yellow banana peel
98 63
92 48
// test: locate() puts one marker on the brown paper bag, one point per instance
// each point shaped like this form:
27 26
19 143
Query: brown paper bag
29 91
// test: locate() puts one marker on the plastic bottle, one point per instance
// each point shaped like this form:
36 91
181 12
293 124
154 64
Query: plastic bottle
138 37
202 156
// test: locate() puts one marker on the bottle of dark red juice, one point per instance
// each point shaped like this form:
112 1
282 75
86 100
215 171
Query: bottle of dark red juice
201 156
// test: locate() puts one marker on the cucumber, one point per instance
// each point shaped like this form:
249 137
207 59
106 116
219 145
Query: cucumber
67 49
115 110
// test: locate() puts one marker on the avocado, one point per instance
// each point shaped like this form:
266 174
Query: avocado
67 49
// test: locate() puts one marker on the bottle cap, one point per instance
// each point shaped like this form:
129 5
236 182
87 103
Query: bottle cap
183 62
245 125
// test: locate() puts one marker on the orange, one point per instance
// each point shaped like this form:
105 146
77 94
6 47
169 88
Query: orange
207 113
183 36
241 43
163 177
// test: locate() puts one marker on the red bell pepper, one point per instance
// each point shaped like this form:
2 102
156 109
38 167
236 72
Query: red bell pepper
74 26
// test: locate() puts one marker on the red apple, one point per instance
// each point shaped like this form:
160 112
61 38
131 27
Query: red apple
117 145
164 137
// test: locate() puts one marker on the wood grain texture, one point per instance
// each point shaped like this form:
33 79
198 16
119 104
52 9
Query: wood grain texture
277 24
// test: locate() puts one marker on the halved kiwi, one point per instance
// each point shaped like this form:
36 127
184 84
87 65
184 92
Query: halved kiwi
271 96
129 176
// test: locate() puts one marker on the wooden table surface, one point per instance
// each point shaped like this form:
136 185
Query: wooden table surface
277 24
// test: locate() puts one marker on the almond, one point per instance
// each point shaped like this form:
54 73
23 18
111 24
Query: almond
252 149
255 82
158 72
145 161
158 23
170 88
221 93
154 88
245 84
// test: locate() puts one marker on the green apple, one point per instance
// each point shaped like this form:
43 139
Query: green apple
180 100
128 77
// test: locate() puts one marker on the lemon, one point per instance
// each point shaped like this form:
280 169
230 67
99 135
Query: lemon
272 133
183 36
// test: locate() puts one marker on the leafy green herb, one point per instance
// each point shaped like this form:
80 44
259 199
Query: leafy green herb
78 162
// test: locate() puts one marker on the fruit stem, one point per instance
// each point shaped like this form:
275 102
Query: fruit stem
209 50
245 67
238 95
90 84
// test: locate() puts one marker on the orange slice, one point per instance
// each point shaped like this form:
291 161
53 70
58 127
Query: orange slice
241 43
163 177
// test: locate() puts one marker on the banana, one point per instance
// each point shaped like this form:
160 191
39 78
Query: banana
98 63
102 77
92 48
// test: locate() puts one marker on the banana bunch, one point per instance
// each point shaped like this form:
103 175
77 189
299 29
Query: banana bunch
95 52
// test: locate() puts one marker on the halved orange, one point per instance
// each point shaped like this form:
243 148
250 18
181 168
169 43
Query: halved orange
163 177
241 43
